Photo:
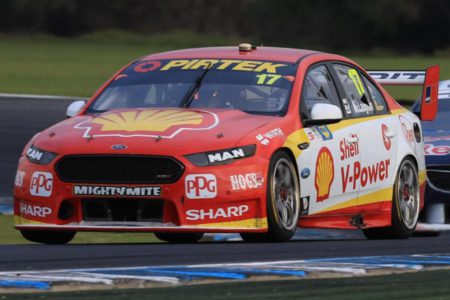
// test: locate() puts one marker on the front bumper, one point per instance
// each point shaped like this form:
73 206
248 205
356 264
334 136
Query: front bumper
225 198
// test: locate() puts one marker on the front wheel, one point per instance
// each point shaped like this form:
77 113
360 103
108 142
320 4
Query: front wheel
174 237
51 237
283 205
405 205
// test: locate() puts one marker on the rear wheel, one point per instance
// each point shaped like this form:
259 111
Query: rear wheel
283 205
175 237
51 237
405 205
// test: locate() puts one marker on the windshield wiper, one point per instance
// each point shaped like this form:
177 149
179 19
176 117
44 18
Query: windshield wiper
189 96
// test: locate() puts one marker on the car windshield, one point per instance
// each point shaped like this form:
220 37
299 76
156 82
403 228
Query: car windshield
259 87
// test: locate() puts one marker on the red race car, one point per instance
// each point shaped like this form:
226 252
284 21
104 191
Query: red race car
252 140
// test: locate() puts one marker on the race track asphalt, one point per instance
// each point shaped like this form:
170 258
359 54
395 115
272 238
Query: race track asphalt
21 118
50 257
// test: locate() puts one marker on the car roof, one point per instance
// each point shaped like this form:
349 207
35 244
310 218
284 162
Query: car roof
260 53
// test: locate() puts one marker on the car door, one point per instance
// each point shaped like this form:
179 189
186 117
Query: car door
375 138
331 147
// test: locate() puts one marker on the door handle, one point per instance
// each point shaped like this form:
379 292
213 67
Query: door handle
352 139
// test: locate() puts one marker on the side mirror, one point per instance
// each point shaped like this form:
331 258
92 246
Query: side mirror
74 108
324 113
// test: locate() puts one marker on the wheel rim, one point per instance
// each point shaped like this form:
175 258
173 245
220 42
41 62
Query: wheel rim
408 195
285 193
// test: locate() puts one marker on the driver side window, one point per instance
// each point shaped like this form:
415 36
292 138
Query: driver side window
318 87
355 91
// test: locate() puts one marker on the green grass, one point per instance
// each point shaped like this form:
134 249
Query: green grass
77 67
41 64
417 285
8 235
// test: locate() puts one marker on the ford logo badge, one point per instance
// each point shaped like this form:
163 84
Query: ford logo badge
305 173
118 147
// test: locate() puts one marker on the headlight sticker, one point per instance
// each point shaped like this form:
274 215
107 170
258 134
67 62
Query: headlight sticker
39 156
223 156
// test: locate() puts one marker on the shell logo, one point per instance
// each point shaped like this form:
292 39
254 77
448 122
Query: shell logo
161 123
324 174
147 120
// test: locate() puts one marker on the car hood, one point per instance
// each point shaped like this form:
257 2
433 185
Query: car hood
151 131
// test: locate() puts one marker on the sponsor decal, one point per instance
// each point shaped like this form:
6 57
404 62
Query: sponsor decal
34 154
265 138
218 64
221 156
364 174
324 174
325 133
247 181
156 123
393 76
102 190
20 175
313 134
353 172
349 150
305 205
430 149
34 210
386 140
119 147
147 66
408 132
217 213
305 173
347 108
39 156
201 186
41 184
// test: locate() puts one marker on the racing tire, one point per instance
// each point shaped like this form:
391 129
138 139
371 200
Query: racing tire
50 237
282 200
405 205
179 238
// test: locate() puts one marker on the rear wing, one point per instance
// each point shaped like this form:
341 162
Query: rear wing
429 79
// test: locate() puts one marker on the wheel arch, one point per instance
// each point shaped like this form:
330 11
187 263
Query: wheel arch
289 152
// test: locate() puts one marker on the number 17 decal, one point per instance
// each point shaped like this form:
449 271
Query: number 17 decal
268 79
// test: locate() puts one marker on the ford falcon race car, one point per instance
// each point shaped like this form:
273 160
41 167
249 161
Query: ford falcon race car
437 158
250 140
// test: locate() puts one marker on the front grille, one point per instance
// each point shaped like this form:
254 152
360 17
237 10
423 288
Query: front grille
439 176
122 210
119 169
